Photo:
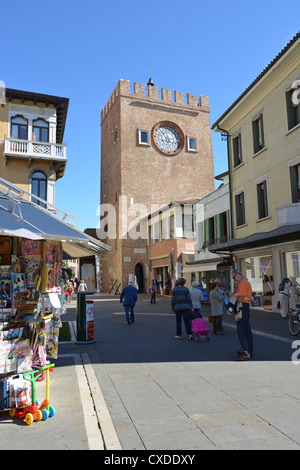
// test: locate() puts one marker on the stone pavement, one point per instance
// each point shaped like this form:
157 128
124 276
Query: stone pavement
139 388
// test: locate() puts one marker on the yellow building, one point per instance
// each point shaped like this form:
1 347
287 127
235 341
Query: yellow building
32 155
263 137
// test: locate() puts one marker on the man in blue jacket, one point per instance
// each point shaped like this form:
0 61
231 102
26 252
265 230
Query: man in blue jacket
129 294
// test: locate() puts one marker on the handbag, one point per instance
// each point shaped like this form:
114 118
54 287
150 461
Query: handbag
238 315
210 319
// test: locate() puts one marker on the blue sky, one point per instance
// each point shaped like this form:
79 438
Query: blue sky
80 50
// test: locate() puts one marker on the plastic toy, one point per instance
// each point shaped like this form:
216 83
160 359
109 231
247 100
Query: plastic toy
30 413
35 411
46 409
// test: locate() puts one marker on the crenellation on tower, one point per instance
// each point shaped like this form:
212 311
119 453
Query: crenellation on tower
140 91
179 97
192 100
166 95
204 102
153 93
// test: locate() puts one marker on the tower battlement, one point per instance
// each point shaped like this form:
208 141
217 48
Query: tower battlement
150 94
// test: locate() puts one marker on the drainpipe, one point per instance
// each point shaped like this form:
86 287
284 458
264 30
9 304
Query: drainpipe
230 183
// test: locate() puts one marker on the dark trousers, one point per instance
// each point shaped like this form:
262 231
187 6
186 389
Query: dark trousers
153 297
217 319
185 315
127 309
244 331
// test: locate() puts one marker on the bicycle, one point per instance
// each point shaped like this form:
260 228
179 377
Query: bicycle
294 320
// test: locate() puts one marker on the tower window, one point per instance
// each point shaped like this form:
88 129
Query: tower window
192 144
143 137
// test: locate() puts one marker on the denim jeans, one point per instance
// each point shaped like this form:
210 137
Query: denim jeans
185 314
244 330
127 308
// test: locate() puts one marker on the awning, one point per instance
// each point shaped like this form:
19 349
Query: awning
160 263
20 217
204 264
200 267
282 234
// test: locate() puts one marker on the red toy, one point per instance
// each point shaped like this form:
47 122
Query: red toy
30 413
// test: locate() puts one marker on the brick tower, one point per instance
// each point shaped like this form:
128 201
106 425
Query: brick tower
154 150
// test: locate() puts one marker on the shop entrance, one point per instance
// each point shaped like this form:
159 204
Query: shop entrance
139 274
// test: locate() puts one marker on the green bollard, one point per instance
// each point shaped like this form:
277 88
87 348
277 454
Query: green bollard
85 318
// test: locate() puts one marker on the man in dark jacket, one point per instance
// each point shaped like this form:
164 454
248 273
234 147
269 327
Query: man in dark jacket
181 304
129 294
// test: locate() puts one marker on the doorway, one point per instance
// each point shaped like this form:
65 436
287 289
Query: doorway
139 274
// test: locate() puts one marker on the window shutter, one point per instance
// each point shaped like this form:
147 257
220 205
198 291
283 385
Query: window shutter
289 109
294 183
217 228
206 233
262 134
265 195
228 222
255 136
259 201
235 152
240 148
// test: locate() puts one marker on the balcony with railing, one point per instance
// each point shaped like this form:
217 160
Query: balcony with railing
289 214
37 150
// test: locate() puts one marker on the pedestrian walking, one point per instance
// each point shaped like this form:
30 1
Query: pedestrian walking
197 297
284 290
76 283
152 290
82 286
181 304
129 294
70 290
222 292
216 302
244 331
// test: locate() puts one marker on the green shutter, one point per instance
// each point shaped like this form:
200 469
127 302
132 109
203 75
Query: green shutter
294 183
216 223
255 136
228 221
262 131
289 109
206 233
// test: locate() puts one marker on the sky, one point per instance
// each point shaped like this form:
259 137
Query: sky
80 50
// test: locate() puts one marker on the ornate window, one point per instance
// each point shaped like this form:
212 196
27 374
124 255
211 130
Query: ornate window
40 131
19 128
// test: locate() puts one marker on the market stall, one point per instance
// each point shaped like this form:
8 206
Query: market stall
32 245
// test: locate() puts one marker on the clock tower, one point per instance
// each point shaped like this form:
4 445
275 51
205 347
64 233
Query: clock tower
155 149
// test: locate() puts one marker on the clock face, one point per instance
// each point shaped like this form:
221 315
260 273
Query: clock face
168 138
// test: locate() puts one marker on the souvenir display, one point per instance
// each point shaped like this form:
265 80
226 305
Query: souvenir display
31 303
